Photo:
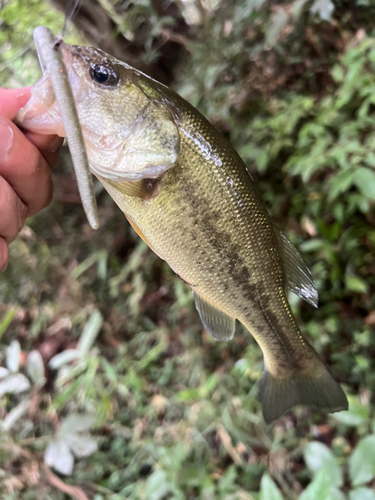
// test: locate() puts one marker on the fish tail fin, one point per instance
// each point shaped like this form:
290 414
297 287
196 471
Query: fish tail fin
313 387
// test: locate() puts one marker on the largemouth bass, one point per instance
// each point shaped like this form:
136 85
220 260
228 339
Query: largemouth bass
189 196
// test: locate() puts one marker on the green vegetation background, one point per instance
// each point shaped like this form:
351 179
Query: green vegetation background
109 387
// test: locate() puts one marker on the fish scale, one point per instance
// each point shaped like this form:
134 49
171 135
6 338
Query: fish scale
187 243
203 215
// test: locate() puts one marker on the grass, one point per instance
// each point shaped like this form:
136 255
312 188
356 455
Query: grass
173 414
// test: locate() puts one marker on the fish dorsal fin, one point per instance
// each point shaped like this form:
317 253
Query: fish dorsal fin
218 324
298 278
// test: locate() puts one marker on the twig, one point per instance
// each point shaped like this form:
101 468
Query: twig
73 491
227 443
100 489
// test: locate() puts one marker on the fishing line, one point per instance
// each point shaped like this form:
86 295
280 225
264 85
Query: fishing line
71 9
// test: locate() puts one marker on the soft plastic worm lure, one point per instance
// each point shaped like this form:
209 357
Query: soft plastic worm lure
51 62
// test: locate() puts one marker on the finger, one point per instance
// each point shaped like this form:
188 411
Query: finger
13 212
24 168
48 145
4 254
11 100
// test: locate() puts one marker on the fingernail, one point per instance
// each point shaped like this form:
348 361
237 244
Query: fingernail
6 138
54 145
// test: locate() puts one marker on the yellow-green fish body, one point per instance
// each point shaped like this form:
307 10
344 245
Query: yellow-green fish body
190 197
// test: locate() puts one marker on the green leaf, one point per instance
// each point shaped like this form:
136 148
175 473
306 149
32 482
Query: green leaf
209 385
227 481
262 161
58 456
356 284
362 494
362 461
268 489
297 8
278 22
64 358
90 332
364 179
320 488
324 8
152 355
6 320
76 423
82 445
340 183
337 494
311 245
4 372
108 369
15 415
73 437
35 367
13 356
14 384
99 257
157 486
187 394
357 413
338 73
318 456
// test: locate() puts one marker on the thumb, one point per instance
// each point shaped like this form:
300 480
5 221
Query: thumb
11 100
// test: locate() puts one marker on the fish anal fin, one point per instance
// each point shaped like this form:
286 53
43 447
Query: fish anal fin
219 325
298 278
315 388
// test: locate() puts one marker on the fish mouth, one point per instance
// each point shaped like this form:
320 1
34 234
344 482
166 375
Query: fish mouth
41 113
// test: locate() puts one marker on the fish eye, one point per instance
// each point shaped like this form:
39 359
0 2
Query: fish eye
104 75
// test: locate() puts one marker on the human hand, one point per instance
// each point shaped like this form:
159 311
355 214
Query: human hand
25 176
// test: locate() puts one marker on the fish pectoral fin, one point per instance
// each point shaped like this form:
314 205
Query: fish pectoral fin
298 278
144 188
315 388
219 325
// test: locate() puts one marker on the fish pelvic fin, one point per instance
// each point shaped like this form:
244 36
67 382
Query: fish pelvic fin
219 325
315 388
